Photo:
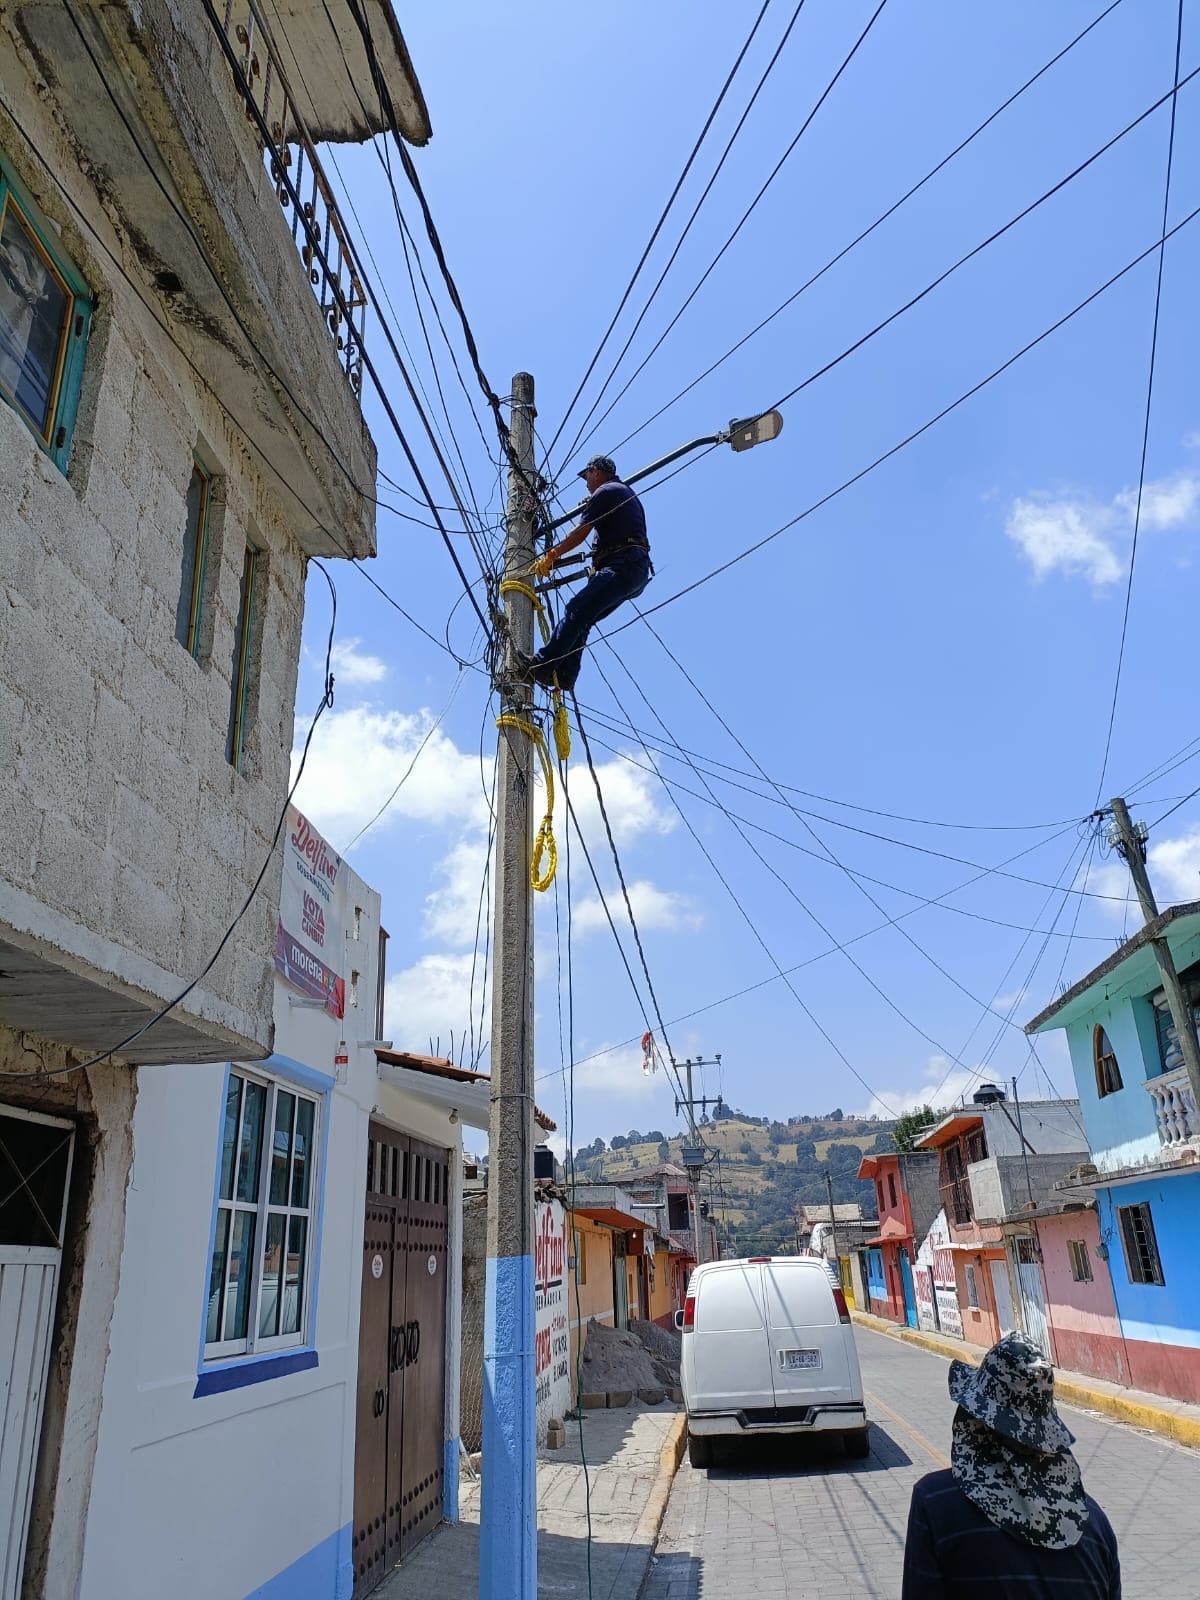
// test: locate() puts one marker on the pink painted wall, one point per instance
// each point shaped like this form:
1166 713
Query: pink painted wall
1083 1316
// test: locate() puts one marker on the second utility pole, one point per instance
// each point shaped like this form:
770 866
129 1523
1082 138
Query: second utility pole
508 1511
1132 846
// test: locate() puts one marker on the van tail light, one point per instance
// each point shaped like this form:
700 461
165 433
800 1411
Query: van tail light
689 1313
752 1260
839 1300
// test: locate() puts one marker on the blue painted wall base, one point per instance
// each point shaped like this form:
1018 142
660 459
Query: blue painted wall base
508 1508
450 1460
326 1569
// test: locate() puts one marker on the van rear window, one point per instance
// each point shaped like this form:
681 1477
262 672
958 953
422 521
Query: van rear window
799 1297
729 1299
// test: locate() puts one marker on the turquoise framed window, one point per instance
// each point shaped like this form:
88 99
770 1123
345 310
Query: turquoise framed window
242 648
45 314
190 610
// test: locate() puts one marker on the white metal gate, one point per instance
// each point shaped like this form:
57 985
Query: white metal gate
1002 1295
1033 1294
35 1175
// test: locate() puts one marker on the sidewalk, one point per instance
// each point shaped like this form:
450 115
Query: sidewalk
1176 1419
632 1454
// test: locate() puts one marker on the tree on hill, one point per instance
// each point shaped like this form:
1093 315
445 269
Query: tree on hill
664 1150
908 1128
836 1116
883 1143
634 1137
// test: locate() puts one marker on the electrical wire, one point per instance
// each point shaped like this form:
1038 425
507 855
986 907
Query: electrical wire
1137 514
165 1011
416 756
911 438
746 215
878 222
658 226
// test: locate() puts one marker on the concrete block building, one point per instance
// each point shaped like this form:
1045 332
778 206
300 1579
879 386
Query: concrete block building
181 333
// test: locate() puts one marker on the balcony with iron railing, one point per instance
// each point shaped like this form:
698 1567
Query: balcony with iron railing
956 1200
297 177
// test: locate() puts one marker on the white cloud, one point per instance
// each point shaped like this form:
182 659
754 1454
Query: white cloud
618 1073
1088 539
351 665
452 910
1167 503
940 1085
359 755
652 908
630 799
1175 866
429 1001
1066 536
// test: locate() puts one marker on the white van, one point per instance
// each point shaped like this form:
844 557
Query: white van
768 1349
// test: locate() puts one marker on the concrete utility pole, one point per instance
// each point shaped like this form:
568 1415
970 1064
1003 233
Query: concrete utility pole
1131 843
508 1520
832 1220
696 1150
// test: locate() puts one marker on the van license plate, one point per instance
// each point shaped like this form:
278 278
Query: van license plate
799 1360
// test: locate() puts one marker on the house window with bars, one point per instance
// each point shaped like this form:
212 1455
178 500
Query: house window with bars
1108 1073
1142 1261
1081 1264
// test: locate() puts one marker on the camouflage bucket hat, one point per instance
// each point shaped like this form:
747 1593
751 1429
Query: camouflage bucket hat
1011 1452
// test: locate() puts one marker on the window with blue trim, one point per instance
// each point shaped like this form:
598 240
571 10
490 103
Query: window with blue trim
45 312
259 1275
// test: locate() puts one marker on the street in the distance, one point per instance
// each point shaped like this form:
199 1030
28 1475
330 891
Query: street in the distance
802 1521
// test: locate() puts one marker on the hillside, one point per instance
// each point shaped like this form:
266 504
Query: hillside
758 1172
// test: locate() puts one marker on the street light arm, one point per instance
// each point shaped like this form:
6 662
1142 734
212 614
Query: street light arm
642 472
741 434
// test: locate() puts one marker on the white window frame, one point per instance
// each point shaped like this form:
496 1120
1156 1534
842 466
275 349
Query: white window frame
972 1282
254 1343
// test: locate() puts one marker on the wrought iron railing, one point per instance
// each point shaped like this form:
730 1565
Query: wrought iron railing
295 171
956 1198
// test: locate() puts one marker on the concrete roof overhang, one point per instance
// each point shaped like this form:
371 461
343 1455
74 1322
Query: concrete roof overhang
330 74
1131 970
948 1128
440 1083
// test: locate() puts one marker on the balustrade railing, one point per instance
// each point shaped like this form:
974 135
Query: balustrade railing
1174 1108
956 1198
296 174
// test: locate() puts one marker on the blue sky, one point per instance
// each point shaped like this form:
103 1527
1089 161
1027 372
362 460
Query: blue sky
932 653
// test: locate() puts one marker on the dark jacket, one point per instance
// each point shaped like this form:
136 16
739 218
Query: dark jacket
953 1551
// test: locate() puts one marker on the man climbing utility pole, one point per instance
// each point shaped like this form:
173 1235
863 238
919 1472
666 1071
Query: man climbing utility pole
508 1519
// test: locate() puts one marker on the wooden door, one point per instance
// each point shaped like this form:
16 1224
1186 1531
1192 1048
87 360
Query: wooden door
399 1445
380 1408
424 1371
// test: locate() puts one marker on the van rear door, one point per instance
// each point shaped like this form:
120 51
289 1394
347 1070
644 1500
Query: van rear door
730 1352
813 1358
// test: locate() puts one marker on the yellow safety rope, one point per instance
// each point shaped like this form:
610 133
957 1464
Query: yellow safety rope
544 841
562 725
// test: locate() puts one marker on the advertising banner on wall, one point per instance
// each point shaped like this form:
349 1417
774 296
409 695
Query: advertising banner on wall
310 942
552 1358
933 1282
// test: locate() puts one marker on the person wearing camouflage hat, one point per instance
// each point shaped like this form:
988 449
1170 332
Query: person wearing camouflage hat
1010 1517
621 569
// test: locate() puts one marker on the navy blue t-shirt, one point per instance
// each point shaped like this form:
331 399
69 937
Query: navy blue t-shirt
616 514
952 1552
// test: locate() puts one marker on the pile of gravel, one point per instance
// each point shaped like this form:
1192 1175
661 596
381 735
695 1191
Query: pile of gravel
614 1361
664 1343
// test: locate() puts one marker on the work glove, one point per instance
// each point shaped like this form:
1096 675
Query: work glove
544 565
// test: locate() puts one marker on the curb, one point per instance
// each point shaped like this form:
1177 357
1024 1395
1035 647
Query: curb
669 1457
1136 1413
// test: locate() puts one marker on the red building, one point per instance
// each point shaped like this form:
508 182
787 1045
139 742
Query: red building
906 1191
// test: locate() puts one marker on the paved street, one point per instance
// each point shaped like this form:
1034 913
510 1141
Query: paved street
802 1522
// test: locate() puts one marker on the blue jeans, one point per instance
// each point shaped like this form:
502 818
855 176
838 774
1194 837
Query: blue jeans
624 579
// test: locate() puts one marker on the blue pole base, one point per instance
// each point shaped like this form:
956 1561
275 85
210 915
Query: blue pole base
508 1507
